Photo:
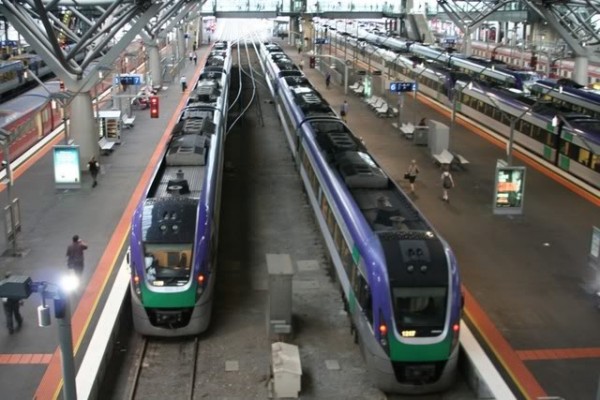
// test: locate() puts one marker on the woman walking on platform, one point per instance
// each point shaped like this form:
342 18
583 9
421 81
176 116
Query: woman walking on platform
411 174
447 184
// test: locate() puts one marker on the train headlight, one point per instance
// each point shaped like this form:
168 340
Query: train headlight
201 281
136 285
455 334
383 335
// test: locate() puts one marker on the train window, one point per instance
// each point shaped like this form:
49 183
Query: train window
364 298
584 156
346 258
595 162
505 119
525 128
489 110
330 221
481 106
419 308
497 114
539 134
337 237
324 206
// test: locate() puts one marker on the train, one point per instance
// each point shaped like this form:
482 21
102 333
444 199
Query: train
515 55
420 54
16 72
31 116
175 227
548 123
399 278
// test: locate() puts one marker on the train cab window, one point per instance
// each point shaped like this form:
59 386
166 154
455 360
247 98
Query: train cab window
420 309
168 266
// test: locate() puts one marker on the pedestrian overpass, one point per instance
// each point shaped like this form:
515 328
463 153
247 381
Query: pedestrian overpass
344 9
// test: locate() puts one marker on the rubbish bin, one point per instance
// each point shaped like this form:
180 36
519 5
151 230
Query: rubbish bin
311 62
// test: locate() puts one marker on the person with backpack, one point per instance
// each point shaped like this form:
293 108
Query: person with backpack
411 174
447 184
344 110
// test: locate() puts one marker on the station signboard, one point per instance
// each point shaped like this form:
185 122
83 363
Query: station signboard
400 87
67 174
129 79
509 189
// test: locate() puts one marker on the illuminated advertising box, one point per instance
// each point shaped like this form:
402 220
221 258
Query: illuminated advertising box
67 174
509 190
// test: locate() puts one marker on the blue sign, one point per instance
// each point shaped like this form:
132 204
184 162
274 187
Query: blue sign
128 79
320 40
8 43
403 87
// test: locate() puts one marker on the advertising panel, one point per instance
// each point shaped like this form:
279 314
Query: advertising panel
509 189
67 174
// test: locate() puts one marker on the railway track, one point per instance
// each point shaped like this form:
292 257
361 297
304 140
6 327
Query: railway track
165 368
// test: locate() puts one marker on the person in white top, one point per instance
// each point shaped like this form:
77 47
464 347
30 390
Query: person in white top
447 184
183 81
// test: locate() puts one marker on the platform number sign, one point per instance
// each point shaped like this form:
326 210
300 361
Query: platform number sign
129 79
400 87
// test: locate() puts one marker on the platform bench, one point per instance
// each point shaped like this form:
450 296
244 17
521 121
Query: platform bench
128 122
106 146
460 160
444 158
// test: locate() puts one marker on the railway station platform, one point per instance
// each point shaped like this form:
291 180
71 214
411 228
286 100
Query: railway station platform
30 362
523 276
526 278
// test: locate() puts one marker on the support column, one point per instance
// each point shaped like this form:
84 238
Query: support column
580 70
154 63
308 32
467 50
180 43
84 128
199 31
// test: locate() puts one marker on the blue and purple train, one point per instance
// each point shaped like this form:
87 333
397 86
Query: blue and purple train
399 278
175 228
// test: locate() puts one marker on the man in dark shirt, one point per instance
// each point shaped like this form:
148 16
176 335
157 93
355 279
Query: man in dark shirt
11 310
75 255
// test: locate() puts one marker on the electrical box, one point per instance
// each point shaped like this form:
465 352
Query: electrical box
286 370
281 272
16 287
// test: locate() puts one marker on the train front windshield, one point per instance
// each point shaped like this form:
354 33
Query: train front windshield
420 311
168 229
168 266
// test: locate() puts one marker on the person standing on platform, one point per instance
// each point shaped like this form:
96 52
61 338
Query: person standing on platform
75 255
194 46
327 79
344 111
191 55
411 174
183 81
301 64
11 310
195 59
94 168
447 183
